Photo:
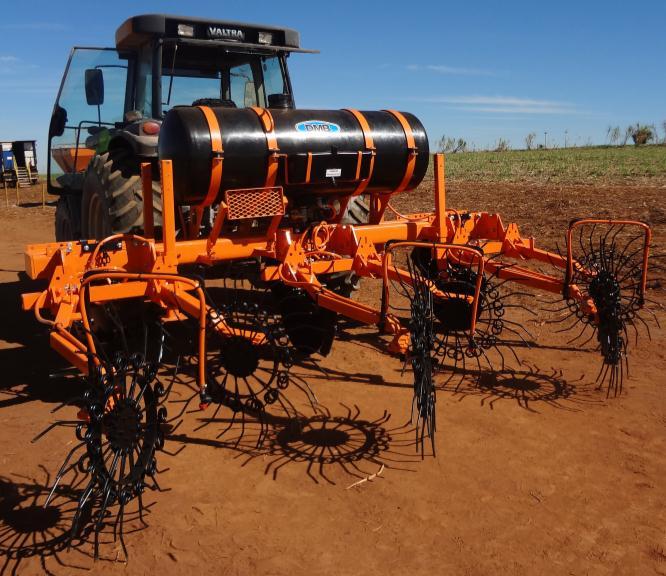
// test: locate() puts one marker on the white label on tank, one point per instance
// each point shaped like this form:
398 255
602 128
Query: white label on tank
333 172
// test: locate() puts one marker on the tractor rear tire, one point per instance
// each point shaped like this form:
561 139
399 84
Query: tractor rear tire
357 211
68 218
112 199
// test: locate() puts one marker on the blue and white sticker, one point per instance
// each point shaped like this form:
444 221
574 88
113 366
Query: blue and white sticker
317 126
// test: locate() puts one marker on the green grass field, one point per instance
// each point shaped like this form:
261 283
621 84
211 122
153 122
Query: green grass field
607 165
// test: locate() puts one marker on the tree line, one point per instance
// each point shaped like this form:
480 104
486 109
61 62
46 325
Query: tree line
639 134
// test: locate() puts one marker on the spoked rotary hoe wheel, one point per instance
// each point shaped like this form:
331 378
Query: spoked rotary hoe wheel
249 369
121 415
122 433
608 262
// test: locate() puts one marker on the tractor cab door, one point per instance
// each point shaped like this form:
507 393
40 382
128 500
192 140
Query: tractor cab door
90 102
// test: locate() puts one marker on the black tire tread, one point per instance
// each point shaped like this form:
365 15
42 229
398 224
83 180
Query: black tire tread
357 212
117 172
68 218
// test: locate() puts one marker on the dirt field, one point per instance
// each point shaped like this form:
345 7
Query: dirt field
536 472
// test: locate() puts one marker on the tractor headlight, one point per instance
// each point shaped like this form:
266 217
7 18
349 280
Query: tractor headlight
186 30
265 38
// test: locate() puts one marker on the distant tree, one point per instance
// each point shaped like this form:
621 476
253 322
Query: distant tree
445 144
629 130
663 125
502 145
641 134
614 135
529 140
452 145
655 133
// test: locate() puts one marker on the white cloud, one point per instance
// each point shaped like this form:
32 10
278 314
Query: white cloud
498 101
519 109
503 104
450 70
6 59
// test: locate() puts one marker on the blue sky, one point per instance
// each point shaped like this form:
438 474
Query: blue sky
479 70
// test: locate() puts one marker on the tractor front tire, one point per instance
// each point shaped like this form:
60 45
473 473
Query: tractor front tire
112 199
357 211
68 218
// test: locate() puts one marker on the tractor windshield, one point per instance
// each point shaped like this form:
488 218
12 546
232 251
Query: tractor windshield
192 73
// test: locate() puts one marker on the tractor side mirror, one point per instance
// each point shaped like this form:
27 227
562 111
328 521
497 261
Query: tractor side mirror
94 81
58 122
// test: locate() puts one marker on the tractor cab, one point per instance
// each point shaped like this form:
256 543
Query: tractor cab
112 102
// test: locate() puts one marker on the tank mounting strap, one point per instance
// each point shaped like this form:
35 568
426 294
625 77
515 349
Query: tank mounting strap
308 168
369 145
218 156
268 124
411 145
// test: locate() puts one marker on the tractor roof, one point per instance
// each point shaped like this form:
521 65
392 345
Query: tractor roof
137 30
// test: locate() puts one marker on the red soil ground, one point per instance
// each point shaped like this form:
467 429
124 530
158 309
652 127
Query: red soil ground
536 471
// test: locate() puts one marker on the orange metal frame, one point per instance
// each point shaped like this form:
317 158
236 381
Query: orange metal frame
130 266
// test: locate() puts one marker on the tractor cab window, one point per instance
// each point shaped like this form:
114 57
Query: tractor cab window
191 72
90 102
242 87
186 86
143 83
273 74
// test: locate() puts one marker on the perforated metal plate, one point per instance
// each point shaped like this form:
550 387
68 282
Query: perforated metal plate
254 203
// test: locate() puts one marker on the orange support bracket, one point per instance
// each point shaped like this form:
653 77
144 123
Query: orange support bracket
75 355
440 197
147 189
220 218
168 214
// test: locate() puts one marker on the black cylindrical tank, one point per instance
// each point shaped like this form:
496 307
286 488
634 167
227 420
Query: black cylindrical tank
320 151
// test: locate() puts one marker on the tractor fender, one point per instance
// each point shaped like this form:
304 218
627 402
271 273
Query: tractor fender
142 146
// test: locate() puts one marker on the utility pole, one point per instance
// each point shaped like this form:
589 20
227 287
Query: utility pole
566 132
545 139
